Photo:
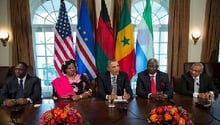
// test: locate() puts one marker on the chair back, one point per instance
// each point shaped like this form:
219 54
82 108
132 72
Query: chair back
4 71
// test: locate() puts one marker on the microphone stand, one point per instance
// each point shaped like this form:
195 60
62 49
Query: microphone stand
15 113
122 107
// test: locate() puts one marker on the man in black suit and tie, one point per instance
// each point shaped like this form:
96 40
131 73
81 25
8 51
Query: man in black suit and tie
195 83
114 83
152 83
21 88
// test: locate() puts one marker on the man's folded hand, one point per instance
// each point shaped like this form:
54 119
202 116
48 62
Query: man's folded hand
21 101
159 96
10 102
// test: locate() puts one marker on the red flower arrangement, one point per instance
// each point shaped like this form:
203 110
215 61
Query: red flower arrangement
57 116
169 115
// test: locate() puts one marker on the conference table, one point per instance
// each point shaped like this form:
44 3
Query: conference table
97 112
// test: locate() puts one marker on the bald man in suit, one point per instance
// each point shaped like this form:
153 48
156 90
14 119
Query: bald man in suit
162 85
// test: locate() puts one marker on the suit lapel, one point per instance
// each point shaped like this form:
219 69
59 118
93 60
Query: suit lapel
108 77
201 80
157 81
146 79
27 83
118 80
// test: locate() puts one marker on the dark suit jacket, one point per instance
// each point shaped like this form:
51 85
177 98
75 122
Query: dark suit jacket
32 88
187 84
162 84
105 88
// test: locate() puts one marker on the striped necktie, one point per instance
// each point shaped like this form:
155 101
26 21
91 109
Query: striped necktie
114 84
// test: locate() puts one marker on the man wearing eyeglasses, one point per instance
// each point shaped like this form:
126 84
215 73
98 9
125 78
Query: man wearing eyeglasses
195 83
153 83
20 88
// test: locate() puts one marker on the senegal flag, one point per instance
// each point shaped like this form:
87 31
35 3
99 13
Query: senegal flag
124 51
105 46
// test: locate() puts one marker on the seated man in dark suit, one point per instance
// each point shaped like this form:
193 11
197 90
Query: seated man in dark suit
114 83
195 83
20 88
152 83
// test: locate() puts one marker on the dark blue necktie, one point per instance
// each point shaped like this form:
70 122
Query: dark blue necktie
20 93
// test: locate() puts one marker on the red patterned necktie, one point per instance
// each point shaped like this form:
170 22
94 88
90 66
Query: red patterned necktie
153 85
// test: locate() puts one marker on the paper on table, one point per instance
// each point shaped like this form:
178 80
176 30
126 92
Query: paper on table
36 105
120 99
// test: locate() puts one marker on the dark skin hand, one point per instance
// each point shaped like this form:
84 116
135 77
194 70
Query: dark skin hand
21 101
204 95
158 95
10 102
77 97
13 102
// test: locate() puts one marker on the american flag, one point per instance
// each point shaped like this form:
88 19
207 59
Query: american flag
63 45
85 48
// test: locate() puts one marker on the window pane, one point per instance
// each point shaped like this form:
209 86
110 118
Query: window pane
40 50
40 62
38 19
39 37
163 48
163 68
162 60
156 48
50 50
50 19
48 7
164 36
164 20
156 36
49 37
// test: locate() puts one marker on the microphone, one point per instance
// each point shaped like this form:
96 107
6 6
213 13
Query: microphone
120 91
15 111
122 107
171 101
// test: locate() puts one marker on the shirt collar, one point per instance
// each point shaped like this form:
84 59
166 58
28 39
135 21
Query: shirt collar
197 77
153 74
24 78
113 75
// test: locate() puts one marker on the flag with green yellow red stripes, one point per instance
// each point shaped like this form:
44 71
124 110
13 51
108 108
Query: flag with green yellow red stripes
124 51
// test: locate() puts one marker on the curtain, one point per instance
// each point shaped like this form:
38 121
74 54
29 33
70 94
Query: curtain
178 36
211 32
22 47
